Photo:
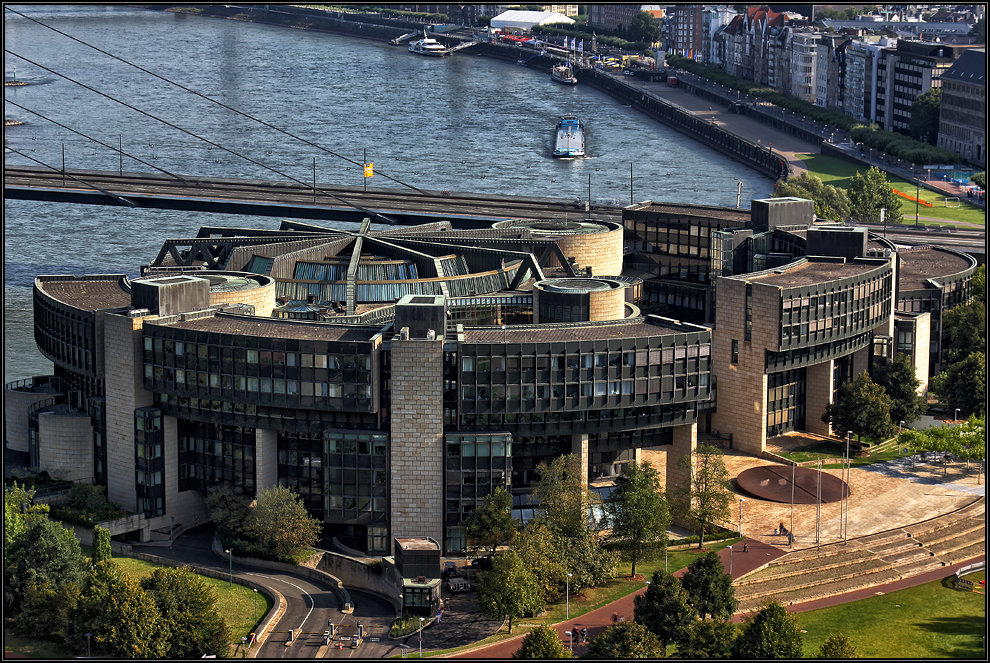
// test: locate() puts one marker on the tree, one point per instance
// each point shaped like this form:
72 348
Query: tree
964 385
705 500
279 521
590 563
665 609
638 514
44 611
46 554
899 380
625 640
643 27
508 590
771 633
867 195
923 124
708 638
491 524
188 608
122 617
831 202
101 545
229 510
863 407
836 645
709 588
563 496
964 330
18 511
542 552
980 275
542 642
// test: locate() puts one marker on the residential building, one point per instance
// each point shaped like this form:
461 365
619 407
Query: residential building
713 19
682 31
804 59
612 17
862 66
830 72
963 117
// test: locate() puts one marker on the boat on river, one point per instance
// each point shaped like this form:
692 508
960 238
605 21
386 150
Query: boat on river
562 73
569 137
428 46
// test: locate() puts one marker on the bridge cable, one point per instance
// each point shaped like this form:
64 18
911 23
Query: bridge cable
361 209
219 103
125 201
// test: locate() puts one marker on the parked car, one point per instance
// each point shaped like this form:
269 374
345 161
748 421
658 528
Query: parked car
449 570
485 563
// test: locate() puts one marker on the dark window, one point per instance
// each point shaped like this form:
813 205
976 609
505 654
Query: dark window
735 351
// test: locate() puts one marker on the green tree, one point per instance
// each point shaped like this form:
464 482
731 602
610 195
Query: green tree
121 616
708 638
508 590
229 510
964 330
563 496
923 124
18 511
542 552
836 645
101 545
279 522
770 633
591 564
188 608
831 202
491 524
45 611
868 195
643 27
964 385
863 407
45 554
665 609
899 380
709 587
705 500
625 640
980 278
542 642
638 514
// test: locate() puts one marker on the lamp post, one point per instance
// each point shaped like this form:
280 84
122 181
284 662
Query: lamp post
243 647
421 637
256 607
89 649
741 500
568 615
845 490
955 417
790 533
230 558
730 563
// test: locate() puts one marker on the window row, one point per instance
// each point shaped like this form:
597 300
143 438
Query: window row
170 348
166 374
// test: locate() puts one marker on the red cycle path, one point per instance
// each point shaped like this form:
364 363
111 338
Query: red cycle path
758 554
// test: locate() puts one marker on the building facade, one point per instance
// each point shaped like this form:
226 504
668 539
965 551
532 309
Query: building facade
963 116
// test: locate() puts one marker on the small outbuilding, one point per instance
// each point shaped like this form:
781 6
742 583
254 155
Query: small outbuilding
516 19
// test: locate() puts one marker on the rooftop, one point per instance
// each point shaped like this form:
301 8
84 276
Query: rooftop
559 333
89 293
810 273
919 265
698 210
273 328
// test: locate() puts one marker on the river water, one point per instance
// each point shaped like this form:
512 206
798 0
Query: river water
463 123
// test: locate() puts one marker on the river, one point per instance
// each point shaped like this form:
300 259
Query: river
464 123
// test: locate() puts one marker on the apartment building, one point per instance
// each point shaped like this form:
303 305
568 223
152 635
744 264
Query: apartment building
830 72
963 116
683 32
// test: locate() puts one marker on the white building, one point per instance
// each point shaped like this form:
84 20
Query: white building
523 20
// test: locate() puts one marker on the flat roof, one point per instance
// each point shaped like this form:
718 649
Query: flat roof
89 293
697 210
417 544
590 332
274 328
811 273
919 265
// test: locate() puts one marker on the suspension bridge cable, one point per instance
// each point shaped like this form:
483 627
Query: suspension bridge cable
219 103
361 209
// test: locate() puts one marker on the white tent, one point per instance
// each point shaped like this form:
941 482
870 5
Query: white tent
523 20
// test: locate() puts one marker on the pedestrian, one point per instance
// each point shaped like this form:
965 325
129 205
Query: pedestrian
775 531
577 635
584 636
615 618
746 547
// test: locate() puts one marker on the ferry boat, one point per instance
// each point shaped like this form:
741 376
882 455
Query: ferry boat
428 46
569 141
562 73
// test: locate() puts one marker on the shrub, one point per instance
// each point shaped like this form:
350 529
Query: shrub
87 505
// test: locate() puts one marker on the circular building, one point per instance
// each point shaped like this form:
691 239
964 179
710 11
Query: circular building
578 300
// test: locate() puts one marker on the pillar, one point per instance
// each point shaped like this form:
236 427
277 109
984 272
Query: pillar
818 394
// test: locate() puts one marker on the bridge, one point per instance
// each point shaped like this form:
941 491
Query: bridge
288 199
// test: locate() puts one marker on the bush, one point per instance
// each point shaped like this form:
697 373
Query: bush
404 626
86 505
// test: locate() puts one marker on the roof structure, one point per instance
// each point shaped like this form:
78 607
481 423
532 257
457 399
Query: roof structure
525 20
971 67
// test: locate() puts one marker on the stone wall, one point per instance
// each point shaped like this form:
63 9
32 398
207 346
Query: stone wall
601 251
66 448
15 416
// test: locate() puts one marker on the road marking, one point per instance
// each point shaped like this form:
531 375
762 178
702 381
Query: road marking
312 602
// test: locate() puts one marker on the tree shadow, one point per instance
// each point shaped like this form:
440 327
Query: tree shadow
970 629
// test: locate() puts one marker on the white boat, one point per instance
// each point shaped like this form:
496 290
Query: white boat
428 46
562 73
569 137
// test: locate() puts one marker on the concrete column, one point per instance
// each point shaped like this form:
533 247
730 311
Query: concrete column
265 458
579 447
416 443
684 444
922 350
818 394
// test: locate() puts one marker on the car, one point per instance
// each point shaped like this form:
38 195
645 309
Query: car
449 570
456 585
485 563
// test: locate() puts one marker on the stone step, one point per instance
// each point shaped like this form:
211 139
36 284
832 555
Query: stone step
894 547
810 579
960 540
975 510
882 539
960 528
822 590
920 566
967 552
788 569
908 557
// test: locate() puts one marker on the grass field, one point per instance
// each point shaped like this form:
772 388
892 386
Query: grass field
933 620
235 602
839 172
836 451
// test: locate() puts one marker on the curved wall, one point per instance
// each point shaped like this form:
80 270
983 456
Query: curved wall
67 445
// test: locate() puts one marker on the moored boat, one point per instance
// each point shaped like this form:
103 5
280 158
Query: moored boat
569 137
428 46
562 73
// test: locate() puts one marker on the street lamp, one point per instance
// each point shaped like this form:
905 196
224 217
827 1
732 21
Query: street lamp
741 500
956 415
243 645
256 608
569 595
730 563
421 637
89 650
845 490
230 558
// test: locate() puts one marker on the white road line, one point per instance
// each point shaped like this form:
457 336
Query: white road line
312 603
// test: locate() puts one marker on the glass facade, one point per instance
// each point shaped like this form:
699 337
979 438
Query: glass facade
211 454
149 461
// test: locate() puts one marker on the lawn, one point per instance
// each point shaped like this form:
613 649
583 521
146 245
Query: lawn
836 451
839 172
933 620
236 604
